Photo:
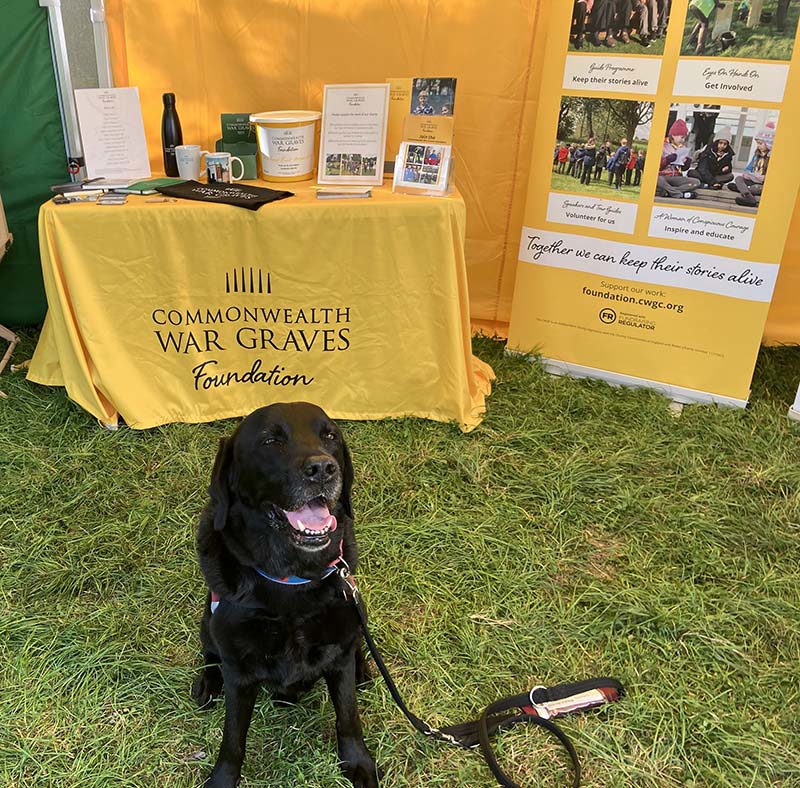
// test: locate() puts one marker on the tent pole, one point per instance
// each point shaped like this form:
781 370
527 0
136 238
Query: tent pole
97 14
66 98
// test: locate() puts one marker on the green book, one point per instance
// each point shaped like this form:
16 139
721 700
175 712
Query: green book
149 185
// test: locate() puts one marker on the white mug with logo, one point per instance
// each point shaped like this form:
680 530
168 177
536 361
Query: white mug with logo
188 158
219 168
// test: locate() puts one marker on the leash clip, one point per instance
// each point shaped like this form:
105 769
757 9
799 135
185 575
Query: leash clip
540 708
349 582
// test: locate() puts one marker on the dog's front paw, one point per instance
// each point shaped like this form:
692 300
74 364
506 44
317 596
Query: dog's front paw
361 771
222 778
207 686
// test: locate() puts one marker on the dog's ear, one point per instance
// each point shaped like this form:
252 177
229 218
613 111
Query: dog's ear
219 489
347 482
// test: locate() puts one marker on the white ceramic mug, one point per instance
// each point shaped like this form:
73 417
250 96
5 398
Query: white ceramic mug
219 168
188 158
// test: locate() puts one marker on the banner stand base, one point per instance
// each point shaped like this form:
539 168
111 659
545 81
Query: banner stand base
675 393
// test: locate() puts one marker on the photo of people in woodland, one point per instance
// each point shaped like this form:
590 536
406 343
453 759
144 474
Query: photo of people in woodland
716 156
601 147
746 29
626 26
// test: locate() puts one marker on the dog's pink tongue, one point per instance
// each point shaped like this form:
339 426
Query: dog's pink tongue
314 516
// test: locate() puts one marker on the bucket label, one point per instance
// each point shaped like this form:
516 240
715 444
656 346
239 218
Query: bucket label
287 152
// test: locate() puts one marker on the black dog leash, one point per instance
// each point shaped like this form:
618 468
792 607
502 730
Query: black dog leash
538 706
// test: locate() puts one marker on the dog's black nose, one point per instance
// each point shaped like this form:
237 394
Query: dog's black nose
319 468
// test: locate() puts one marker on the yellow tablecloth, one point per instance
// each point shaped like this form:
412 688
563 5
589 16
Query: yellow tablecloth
189 312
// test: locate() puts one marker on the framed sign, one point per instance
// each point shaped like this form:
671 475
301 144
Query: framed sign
353 137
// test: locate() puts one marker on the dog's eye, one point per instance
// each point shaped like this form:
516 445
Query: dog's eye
329 436
273 440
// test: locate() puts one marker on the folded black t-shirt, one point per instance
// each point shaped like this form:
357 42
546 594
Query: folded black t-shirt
239 194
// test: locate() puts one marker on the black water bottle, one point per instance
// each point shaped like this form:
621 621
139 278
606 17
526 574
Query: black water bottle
171 134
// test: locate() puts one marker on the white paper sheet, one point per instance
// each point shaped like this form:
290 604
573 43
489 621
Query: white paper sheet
112 133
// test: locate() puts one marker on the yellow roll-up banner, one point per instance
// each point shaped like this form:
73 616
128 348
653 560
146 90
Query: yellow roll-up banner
662 186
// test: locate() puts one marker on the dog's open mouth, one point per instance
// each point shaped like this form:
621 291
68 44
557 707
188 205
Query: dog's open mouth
312 524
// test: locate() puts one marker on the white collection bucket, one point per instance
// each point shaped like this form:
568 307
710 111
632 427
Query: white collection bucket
287 144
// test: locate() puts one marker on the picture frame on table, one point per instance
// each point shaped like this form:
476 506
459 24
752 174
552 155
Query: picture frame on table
353 135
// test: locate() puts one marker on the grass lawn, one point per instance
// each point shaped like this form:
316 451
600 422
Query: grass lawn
580 530
600 188
633 47
761 43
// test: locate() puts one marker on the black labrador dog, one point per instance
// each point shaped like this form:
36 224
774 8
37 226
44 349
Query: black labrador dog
277 527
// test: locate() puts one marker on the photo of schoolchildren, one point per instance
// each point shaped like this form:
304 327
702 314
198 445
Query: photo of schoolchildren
724 169
747 29
584 164
637 26
433 95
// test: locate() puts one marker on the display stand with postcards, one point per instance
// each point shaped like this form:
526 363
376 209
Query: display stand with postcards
423 169
420 134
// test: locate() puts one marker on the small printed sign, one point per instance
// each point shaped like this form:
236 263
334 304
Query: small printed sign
620 217
638 75
731 79
709 227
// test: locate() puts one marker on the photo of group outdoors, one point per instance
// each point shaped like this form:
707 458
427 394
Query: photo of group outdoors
433 95
627 26
716 156
601 147
422 164
350 164
755 29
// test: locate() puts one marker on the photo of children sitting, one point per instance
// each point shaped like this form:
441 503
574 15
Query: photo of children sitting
750 183
675 161
721 167
714 166
625 25
588 162
751 29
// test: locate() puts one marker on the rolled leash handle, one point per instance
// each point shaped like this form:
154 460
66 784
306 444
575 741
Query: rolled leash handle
549 702
538 706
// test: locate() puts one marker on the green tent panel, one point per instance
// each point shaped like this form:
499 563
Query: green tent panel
32 153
